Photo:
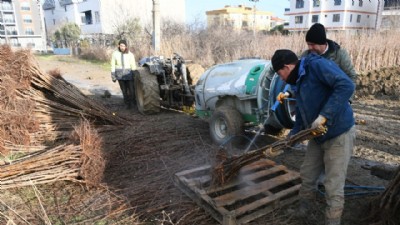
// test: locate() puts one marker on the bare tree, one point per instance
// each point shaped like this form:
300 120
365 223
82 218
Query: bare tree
125 25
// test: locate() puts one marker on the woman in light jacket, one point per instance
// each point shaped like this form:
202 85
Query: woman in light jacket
122 66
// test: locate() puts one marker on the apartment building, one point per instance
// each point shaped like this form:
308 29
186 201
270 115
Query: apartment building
335 14
391 15
242 18
103 16
21 24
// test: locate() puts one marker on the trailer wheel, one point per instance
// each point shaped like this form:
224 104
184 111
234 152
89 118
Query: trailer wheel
147 92
225 123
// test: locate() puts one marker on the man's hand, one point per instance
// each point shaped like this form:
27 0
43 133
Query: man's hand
320 121
282 96
113 78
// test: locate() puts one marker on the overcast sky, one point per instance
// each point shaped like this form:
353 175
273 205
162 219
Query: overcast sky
196 9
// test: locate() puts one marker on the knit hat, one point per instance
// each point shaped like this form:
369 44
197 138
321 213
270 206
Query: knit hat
316 34
122 42
283 57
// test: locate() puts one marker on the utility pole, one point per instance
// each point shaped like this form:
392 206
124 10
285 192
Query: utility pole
254 18
156 39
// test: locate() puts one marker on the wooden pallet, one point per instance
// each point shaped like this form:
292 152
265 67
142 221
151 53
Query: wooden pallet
260 188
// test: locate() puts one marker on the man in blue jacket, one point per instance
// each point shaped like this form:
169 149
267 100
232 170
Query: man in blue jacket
322 95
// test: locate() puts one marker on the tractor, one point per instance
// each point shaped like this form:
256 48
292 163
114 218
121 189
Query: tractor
163 82
241 95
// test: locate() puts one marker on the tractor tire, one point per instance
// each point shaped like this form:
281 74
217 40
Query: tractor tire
225 123
147 92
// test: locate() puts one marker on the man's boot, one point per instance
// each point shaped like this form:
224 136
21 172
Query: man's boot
333 215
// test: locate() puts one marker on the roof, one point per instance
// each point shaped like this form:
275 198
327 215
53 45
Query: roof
240 9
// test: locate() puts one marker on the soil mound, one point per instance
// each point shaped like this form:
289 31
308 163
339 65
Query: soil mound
384 81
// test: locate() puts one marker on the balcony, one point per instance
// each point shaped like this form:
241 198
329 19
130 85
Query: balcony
14 32
6 7
9 21
392 8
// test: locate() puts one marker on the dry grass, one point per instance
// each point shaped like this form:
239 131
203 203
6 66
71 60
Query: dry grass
208 47
64 203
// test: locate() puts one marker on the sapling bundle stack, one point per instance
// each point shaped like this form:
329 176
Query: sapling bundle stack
37 108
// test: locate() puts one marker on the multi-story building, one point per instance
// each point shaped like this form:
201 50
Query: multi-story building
103 16
391 15
21 24
241 18
335 14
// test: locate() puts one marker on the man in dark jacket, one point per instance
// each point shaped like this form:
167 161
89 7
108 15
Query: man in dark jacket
322 96
318 43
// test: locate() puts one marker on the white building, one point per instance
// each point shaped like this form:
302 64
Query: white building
102 16
335 14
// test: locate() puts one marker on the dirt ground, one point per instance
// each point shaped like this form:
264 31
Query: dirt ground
143 158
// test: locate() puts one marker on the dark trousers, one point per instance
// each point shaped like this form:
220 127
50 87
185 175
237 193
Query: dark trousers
128 91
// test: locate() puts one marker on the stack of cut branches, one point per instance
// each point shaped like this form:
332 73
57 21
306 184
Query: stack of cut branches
228 167
71 162
386 208
38 108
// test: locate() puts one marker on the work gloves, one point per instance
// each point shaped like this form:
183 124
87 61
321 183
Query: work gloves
282 96
320 121
113 78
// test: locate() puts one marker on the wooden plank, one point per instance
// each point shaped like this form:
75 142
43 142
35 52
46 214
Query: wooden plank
249 191
247 177
258 164
263 211
208 206
233 206
256 204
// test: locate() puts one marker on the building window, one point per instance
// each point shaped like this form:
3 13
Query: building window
25 6
351 18
54 21
352 2
11 31
360 3
298 19
316 3
52 12
338 2
358 18
314 19
27 19
97 16
299 4
29 31
336 18
65 8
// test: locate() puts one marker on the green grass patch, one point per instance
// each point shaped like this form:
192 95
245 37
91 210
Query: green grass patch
73 59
